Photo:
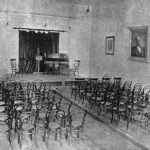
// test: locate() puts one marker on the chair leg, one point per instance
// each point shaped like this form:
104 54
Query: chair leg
56 134
127 124
66 135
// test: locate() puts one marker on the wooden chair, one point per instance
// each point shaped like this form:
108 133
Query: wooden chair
75 70
77 123
14 68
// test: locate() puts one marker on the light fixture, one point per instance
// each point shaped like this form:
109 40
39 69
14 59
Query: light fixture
7 13
88 9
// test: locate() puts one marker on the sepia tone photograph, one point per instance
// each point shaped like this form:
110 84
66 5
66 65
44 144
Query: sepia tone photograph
74 75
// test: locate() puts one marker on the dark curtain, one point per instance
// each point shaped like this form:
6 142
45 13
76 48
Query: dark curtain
29 42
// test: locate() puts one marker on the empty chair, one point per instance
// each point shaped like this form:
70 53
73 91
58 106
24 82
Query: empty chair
25 84
56 68
63 68
117 81
144 97
140 119
75 70
77 123
126 88
75 89
14 68
53 122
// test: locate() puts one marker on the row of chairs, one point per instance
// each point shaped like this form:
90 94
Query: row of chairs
26 66
116 98
33 109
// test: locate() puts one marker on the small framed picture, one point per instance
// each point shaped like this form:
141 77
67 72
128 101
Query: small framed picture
110 44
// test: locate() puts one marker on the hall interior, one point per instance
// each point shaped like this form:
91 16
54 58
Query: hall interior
74 74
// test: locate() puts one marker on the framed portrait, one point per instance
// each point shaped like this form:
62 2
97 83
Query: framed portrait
138 43
110 44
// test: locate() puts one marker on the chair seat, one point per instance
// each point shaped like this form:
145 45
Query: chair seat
3 117
114 108
122 102
135 108
140 118
108 103
143 105
18 102
28 126
122 109
82 91
54 125
3 128
25 115
19 108
76 124
2 103
34 107
99 98
129 106
102 102
2 109
42 115
88 94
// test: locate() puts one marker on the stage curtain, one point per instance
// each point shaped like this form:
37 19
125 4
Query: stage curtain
29 42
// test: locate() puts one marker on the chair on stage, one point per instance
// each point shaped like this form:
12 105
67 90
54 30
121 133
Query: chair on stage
56 68
75 70
14 68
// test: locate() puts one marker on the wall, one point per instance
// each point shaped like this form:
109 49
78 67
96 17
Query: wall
58 15
113 17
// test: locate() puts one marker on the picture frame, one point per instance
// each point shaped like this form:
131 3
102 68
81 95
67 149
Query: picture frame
138 48
110 44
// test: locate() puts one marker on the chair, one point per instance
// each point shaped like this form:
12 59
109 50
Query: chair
76 88
53 122
63 68
56 68
133 102
77 123
38 84
75 70
5 125
140 119
27 128
14 68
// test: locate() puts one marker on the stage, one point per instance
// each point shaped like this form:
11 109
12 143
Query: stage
53 80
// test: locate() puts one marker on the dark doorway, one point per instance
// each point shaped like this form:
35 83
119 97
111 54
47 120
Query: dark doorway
31 42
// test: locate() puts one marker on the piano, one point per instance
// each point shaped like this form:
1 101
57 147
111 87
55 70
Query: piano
56 61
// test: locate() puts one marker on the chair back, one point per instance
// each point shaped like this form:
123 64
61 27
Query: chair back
127 85
137 88
13 63
76 64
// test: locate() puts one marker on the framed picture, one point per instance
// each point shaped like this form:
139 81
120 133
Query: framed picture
138 43
110 44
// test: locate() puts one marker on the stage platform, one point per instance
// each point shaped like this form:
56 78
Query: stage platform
53 80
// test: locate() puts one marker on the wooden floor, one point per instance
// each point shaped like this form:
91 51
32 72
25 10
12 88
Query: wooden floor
136 136
98 135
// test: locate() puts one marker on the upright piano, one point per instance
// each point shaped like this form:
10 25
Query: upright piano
55 62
